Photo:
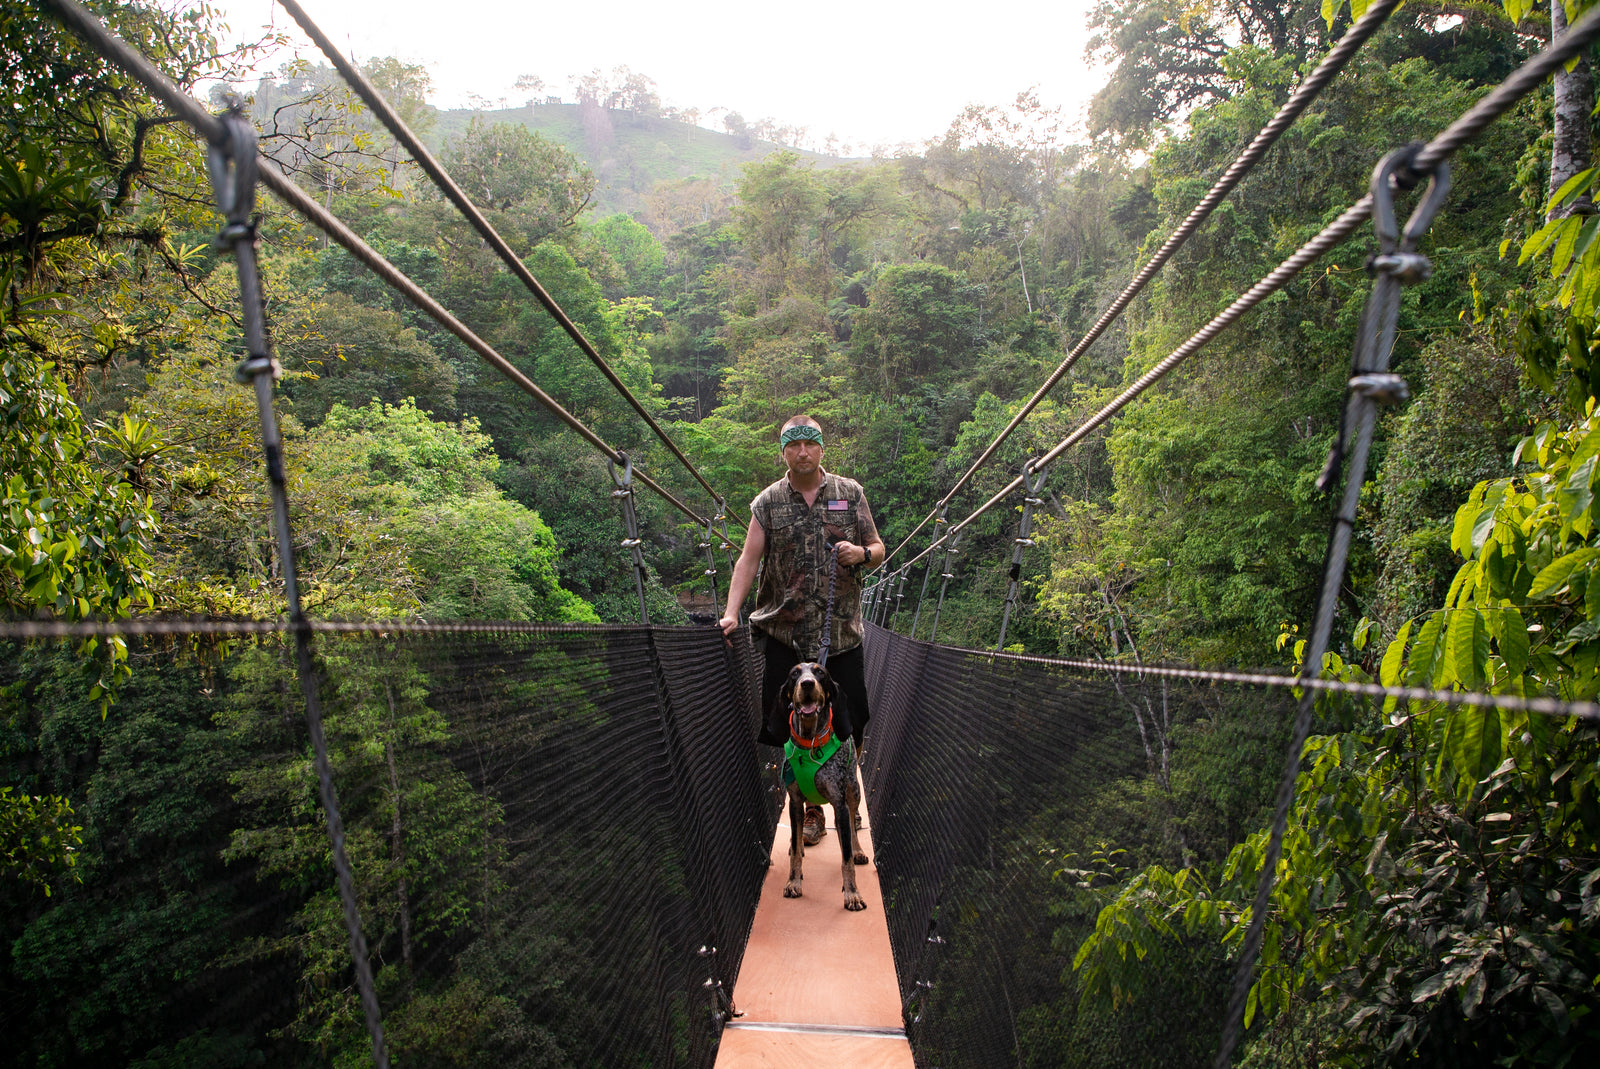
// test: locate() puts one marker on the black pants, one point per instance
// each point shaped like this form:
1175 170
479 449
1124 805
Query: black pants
849 672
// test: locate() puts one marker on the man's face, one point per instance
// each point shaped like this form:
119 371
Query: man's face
803 457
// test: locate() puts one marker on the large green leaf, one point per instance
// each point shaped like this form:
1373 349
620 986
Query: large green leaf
1513 641
1473 741
1558 572
1542 238
1426 653
1466 649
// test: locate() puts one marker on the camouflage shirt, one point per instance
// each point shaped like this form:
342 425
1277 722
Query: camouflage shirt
793 596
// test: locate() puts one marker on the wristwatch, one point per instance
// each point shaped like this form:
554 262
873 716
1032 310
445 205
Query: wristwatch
868 551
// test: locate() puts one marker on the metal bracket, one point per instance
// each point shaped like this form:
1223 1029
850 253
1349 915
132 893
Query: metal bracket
1397 264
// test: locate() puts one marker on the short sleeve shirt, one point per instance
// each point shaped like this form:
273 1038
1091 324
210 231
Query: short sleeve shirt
793 597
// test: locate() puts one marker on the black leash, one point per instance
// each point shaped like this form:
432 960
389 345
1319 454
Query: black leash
827 616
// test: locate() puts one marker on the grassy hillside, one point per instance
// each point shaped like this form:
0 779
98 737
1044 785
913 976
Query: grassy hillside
629 154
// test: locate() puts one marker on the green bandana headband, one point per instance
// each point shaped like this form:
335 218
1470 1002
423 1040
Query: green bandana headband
801 433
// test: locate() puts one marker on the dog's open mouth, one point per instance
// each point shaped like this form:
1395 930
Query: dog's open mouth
809 709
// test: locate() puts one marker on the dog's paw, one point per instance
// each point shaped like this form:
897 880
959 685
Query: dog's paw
792 889
854 902
860 857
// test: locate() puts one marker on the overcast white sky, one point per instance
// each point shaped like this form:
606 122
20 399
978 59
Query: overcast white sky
872 72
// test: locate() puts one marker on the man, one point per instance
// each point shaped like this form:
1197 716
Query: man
793 524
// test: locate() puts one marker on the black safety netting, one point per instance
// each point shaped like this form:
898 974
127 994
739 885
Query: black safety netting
1009 801
557 835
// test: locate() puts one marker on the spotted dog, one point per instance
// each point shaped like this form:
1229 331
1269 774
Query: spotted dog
819 767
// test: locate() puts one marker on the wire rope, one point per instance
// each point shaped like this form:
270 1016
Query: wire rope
1308 90
209 126
170 625
396 126
179 626
1471 123
1507 702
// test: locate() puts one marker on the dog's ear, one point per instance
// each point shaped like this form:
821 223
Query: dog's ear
784 698
840 701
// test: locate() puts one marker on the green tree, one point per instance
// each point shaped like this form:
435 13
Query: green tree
474 554
354 354
920 324
503 166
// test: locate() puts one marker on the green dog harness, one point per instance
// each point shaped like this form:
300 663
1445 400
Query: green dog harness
800 766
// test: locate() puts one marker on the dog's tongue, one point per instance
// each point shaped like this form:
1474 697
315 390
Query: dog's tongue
812 708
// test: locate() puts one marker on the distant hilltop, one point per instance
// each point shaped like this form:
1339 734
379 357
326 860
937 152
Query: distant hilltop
632 152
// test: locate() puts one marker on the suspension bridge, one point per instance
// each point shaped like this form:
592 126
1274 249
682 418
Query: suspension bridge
570 829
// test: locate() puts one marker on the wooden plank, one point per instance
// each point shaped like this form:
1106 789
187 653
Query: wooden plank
812 965
744 1048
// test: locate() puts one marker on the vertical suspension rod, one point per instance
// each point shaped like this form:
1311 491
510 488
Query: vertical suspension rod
1035 484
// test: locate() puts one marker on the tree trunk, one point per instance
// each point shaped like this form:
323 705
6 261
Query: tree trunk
1573 149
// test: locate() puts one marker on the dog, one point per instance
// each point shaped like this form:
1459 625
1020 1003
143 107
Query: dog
808 695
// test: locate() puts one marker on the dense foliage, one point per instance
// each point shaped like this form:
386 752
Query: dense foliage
1440 889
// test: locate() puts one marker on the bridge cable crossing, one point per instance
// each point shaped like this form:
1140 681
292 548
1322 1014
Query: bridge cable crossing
424 159
209 126
1303 96
1427 159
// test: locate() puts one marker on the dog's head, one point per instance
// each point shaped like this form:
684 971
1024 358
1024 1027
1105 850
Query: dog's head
808 692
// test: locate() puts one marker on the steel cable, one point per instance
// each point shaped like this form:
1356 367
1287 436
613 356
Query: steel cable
47 629
431 166
209 126
1307 92
159 626
1472 122
1506 702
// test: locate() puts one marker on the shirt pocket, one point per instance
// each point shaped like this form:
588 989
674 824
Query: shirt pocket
844 524
782 517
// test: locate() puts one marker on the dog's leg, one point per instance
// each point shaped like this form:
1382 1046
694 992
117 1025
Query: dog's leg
797 845
852 795
843 814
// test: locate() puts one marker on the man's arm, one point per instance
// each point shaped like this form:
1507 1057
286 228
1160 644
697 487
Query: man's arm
744 573
853 553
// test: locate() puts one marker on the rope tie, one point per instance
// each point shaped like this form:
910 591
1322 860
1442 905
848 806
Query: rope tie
711 561
1035 483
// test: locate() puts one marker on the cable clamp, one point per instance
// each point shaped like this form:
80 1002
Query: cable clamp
622 493
1023 541
629 543
234 234
257 364
1383 387
1408 267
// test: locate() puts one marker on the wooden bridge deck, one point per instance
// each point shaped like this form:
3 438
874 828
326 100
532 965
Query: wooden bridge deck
817 985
